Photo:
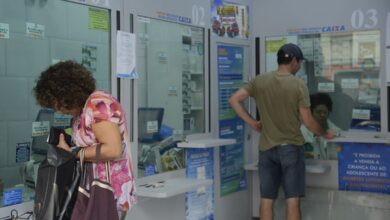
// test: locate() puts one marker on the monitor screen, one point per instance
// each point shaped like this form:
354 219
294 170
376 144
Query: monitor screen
149 124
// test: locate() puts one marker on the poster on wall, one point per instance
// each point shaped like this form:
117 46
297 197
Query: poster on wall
364 167
229 20
230 78
200 165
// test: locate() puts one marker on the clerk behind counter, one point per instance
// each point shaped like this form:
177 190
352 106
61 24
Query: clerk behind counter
318 147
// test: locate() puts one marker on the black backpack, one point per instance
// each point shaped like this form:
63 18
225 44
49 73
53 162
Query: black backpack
56 187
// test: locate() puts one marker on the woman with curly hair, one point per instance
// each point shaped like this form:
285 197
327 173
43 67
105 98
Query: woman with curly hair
316 147
98 122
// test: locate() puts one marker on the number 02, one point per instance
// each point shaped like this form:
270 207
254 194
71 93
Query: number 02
198 15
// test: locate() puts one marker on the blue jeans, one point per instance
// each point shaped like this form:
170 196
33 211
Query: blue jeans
282 165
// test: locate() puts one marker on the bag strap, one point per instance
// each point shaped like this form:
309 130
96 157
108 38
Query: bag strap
82 154
107 163
98 150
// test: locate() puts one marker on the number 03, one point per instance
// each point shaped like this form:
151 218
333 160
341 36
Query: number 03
369 19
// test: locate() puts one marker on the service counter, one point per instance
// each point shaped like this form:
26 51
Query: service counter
361 172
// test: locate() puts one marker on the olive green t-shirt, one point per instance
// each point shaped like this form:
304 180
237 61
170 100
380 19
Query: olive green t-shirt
278 99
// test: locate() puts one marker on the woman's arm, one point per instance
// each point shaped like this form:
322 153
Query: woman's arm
108 136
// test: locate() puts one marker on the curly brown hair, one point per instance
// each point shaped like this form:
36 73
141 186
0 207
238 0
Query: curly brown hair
64 85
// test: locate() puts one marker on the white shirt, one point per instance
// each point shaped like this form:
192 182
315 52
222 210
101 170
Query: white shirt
321 148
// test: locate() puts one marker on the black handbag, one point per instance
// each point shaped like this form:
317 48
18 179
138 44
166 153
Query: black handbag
57 181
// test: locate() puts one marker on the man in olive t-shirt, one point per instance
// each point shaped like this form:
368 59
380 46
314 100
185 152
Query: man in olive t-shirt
283 102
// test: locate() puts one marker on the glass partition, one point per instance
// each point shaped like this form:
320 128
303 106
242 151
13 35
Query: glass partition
34 35
343 67
171 103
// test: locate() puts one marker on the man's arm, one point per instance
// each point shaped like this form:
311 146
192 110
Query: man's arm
312 124
236 102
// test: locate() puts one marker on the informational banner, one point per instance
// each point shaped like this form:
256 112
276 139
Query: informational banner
233 176
230 78
229 19
230 71
318 29
173 17
364 167
200 165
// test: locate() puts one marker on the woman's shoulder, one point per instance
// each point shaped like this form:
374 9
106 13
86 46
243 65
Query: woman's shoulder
100 93
99 96
99 100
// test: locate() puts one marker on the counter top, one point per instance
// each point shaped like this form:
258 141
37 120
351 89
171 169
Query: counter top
310 167
206 143
356 136
170 187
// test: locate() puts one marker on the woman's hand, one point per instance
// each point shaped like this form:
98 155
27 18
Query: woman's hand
330 134
62 143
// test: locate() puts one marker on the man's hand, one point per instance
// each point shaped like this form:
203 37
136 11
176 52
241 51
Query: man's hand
256 125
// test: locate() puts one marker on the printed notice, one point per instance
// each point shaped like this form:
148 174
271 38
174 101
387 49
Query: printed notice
326 87
98 19
35 30
363 114
151 127
273 44
4 31
364 167
61 120
350 83
125 55
40 128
